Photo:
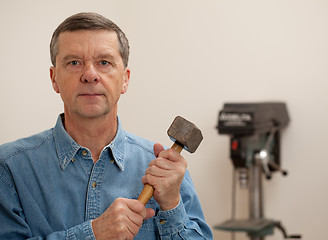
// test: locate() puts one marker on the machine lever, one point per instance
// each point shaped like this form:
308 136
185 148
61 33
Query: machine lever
282 229
270 138
277 167
264 157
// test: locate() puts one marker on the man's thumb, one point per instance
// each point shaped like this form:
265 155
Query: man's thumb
158 148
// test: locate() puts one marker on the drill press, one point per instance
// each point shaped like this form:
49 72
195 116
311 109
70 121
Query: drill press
254 130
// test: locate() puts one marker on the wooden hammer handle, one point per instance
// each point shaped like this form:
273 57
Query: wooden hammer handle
177 147
146 194
148 191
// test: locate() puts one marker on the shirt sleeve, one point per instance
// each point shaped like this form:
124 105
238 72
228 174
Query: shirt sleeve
186 221
13 222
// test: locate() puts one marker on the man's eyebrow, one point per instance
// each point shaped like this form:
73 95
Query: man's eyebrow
69 57
106 56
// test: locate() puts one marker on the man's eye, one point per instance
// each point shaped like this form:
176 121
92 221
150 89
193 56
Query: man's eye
104 63
74 63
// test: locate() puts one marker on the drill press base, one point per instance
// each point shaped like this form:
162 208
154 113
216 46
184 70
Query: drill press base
253 227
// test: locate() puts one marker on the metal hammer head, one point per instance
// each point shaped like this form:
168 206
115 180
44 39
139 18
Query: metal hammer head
185 133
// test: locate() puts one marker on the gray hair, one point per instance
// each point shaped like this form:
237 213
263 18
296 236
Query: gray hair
89 21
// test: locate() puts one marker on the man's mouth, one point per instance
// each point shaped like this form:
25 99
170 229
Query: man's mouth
90 94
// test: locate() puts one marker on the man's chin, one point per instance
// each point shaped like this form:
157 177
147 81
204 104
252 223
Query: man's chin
93 113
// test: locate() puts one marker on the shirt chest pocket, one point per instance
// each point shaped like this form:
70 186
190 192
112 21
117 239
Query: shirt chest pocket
149 229
150 224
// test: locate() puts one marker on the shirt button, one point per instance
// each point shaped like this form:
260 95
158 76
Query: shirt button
162 221
73 160
112 161
94 184
84 152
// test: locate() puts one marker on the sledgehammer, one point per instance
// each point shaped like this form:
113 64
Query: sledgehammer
185 135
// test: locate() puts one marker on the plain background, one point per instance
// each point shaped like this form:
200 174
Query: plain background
188 58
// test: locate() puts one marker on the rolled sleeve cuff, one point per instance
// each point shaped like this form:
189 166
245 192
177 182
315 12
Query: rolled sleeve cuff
172 221
82 231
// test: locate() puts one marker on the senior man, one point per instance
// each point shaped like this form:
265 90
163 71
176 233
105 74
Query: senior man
81 179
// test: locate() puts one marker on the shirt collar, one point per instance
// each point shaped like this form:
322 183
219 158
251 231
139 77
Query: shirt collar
118 146
67 148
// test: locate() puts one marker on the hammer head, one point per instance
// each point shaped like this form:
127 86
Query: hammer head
185 133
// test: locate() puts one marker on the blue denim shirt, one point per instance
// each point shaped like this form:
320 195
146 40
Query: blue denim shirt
51 189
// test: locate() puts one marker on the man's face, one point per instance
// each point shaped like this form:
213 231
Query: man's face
89 73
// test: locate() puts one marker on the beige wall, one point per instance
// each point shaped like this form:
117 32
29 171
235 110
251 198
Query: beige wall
188 58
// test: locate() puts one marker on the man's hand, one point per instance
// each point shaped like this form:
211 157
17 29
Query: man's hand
165 174
122 220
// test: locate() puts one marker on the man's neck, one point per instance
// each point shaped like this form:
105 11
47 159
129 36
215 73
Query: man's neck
92 133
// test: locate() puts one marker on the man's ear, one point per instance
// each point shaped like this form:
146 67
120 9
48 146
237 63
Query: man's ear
126 80
53 79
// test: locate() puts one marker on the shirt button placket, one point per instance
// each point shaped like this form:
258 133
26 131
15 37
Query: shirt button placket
94 190
84 152
162 221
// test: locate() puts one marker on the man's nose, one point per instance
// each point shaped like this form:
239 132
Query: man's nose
90 74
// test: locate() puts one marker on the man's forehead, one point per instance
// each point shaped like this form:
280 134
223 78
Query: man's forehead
83 38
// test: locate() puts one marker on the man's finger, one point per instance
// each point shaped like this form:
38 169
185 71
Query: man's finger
157 149
150 213
137 207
